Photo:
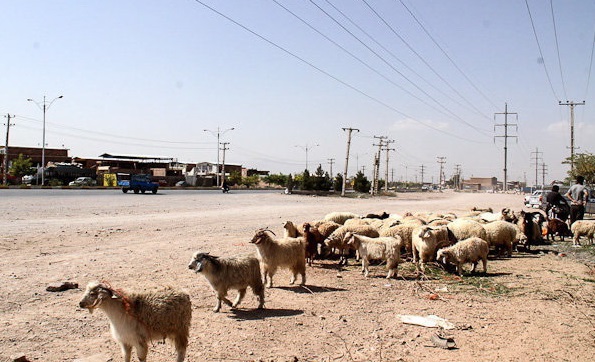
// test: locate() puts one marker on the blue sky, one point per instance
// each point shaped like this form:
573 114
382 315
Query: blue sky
147 77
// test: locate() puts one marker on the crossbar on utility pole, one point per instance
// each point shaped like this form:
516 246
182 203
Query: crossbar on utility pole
224 148
506 137
536 158
349 130
571 104
5 159
387 149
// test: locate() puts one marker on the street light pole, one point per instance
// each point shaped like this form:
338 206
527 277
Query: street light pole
44 107
218 135
307 148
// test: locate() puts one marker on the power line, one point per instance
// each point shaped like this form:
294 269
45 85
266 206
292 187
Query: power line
590 66
540 52
558 49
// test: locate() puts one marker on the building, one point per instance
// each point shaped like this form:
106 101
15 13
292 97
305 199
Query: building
53 155
489 184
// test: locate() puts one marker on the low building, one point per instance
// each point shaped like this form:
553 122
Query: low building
489 184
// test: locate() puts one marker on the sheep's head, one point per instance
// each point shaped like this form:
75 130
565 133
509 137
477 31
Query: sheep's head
425 232
260 235
199 260
306 227
444 256
95 294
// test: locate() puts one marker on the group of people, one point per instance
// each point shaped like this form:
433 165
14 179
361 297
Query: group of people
557 206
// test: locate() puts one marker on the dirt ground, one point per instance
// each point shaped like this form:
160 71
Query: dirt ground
532 307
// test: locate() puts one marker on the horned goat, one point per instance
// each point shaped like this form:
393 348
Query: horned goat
235 272
280 253
138 318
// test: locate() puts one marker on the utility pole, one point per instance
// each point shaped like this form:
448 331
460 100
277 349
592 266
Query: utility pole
543 172
506 136
331 161
224 144
571 104
536 158
387 149
349 130
5 159
422 169
376 170
441 161
457 176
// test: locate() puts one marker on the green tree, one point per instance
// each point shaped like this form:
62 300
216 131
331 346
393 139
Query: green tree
279 179
584 165
338 182
307 182
21 166
361 183
235 178
289 183
250 181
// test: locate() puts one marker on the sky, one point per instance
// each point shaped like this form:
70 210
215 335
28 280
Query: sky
436 77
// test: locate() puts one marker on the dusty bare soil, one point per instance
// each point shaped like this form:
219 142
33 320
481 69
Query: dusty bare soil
531 307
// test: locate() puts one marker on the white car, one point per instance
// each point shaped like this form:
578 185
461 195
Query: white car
83 181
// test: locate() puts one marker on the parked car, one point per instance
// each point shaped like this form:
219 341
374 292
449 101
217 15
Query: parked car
83 181
182 184
535 199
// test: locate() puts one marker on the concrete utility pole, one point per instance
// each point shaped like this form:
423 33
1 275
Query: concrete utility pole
571 104
422 168
543 172
536 158
387 149
506 137
218 134
224 144
376 170
349 130
457 176
441 161
5 159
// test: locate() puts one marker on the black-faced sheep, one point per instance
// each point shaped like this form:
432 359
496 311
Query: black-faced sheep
584 228
425 241
280 253
382 248
530 225
340 217
138 318
236 272
470 250
337 238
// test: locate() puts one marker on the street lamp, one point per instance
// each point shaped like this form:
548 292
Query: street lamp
307 148
44 106
218 134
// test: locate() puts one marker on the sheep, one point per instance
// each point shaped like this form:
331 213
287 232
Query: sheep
138 318
465 228
558 227
506 214
470 250
275 253
337 238
582 228
425 241
340 217
501 234
311 240
290 230
384 215
326 228
404 230
235 272
530 224
383 248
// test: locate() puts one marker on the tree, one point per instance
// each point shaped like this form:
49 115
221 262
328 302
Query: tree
584 165
21 166
289 183
235 178
361 183
338 182
279 179
250 181
307 182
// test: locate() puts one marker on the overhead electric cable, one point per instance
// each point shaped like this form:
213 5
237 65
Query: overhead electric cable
355 89
396 70
449 58
540 52
590 67
558 49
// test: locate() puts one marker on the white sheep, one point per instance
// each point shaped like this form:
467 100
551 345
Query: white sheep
280 253
470 250
425 241
235 272
404 230
381 248
138 318
340 217
584 228
501 235
337 238
506 214
465 228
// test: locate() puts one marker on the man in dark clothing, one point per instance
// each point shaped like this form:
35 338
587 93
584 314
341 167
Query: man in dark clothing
578 196
557 206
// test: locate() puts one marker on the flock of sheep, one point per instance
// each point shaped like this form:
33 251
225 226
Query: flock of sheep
137 319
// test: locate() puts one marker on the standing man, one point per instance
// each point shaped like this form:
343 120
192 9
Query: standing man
578 195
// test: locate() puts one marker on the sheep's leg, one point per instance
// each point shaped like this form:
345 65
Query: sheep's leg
217 306
181 342
241 294
366 266
259 292
126 352
485 265
303 273
181 354
141 351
